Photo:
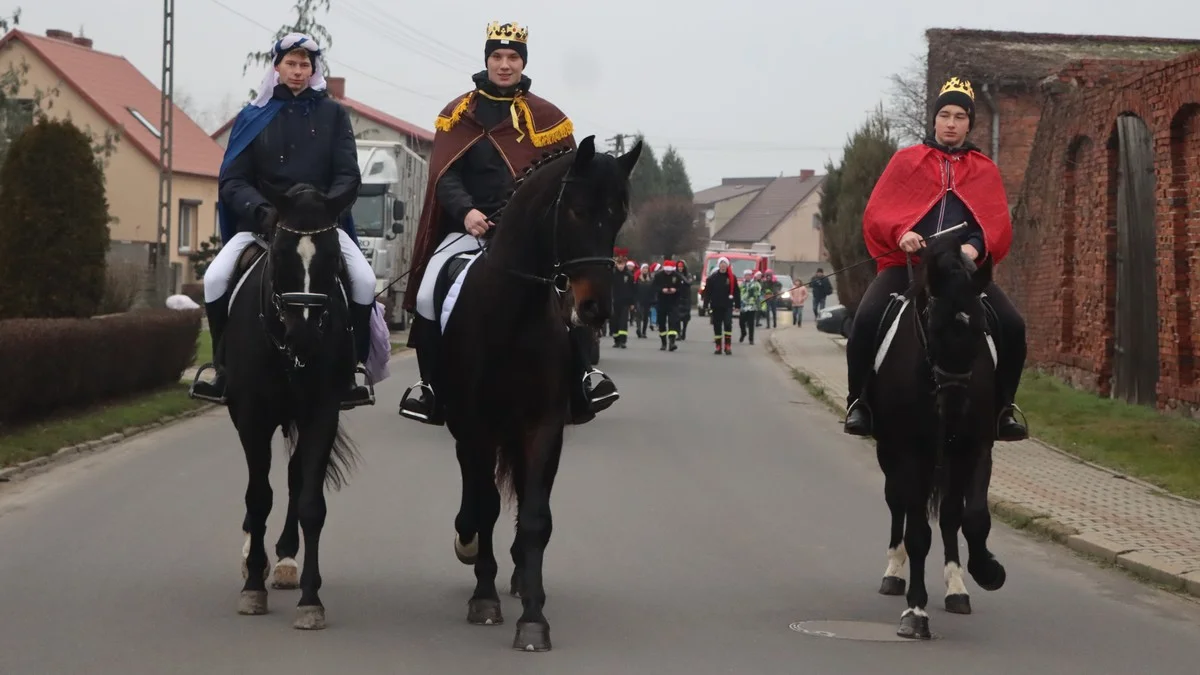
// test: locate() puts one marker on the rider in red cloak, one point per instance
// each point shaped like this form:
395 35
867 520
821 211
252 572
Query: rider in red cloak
925 189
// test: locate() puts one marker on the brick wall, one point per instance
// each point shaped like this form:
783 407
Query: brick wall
1062 270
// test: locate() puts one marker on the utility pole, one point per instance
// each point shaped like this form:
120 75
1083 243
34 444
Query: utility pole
161 259
618 143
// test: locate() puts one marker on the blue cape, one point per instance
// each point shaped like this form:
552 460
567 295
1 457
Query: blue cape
249 123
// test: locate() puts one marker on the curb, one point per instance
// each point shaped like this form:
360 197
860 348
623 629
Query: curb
1020 517
71 453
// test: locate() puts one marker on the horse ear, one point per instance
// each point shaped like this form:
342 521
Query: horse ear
629 160
585 152
336 204
982 277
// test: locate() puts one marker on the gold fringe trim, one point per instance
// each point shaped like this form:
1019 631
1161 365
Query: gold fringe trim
541 139
447 123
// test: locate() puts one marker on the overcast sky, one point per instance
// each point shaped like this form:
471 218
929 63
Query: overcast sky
742 87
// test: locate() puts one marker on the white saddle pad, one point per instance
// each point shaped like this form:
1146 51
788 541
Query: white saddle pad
895 325
456 289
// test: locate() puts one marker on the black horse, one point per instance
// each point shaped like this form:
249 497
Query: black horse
287 351
505 362
934 401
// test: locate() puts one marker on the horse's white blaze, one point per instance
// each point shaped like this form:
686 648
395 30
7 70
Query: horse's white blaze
954 579
914 610
307 249
896 559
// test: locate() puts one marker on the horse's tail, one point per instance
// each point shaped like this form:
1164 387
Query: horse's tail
342 456
505 465
937 486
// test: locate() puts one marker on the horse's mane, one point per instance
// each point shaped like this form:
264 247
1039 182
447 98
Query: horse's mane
528 186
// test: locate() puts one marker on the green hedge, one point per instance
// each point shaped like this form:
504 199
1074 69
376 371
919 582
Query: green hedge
50 364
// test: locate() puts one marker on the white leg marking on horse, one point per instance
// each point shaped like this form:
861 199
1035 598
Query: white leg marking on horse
896 559
246 546
307 249
470 550
954 579
913 610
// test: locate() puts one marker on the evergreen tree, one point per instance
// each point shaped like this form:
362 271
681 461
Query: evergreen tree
667 226
646 181
844 199
304 22
675 181
53 224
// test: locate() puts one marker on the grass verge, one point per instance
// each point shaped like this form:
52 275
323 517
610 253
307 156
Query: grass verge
22 444
1163 450
815 389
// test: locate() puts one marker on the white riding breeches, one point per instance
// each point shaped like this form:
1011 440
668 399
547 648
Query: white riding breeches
452 245
362 276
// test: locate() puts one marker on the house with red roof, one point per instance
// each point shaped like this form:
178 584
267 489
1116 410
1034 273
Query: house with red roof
102 92
370 124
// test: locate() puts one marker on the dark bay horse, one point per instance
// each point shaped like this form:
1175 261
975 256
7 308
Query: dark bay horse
288 351
506 363
934 402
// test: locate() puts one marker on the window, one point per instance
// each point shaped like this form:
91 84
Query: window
145 122
189 218
817 222
17 115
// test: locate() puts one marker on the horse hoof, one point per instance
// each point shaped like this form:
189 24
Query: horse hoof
532 637
310 617
484 612
914 626
892 586
252 603
514 586
990 574
958 603
467 554
287 574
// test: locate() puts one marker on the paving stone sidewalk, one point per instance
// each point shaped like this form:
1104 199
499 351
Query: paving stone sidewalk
1089 509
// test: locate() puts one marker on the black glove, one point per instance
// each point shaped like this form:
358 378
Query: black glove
266 216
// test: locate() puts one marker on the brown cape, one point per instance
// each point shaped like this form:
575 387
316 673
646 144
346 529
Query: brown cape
543 128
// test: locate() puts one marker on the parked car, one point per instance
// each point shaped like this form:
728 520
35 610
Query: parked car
835 320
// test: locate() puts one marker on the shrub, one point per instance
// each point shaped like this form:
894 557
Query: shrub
50 364
122 286
53 224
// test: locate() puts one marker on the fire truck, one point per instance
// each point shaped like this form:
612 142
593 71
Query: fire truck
756 258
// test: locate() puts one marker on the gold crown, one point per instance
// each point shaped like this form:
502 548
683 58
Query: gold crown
507 31
955 84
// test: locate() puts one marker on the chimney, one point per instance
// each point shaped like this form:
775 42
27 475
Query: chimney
57 34
83 42
805 174
337 87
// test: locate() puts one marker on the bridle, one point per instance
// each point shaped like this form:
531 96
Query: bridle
942 379
559 279
280 302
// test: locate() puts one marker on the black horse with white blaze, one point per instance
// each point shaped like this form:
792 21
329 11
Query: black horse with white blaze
506 366
288 350
933 399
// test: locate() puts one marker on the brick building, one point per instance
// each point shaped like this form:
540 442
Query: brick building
1106 254
1006 69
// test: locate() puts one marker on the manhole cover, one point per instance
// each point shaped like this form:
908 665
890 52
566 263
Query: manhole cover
852 630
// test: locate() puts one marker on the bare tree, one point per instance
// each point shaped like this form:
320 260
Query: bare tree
907 108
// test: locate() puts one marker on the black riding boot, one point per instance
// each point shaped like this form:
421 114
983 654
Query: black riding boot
360 322
1008 379
218 315
587 400
858 366
424 406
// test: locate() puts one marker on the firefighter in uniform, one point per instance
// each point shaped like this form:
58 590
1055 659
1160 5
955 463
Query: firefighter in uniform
668 285
623 299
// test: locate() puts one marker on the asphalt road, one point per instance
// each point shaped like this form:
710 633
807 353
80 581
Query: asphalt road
698 519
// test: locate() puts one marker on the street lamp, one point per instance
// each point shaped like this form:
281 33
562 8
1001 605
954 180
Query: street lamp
161 259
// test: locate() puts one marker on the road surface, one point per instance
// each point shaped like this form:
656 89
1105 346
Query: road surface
696 521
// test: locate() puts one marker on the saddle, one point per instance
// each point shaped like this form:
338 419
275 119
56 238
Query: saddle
449 282
890 323
246 261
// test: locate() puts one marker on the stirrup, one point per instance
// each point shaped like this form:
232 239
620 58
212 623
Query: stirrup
1016 411
606 399
219 400
412 415
370 386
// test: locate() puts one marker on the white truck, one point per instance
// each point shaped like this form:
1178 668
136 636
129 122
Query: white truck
386 216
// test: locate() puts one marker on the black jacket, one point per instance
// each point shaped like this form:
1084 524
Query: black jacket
309 141
623 292
718 292
663 281
646 293
480 179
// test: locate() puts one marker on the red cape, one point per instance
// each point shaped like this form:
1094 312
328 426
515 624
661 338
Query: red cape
913 183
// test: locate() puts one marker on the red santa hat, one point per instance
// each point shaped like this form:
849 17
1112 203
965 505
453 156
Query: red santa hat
669 266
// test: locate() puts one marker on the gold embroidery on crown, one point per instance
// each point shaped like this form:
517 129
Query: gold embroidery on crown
512 32
955 84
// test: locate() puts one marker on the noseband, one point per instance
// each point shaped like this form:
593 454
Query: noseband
559 279
281 302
